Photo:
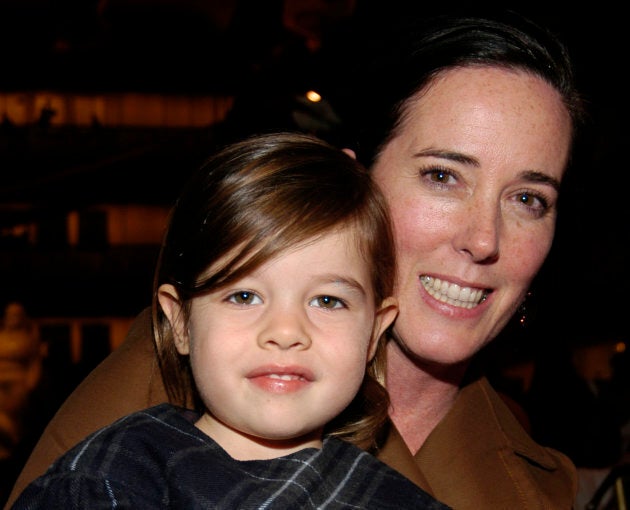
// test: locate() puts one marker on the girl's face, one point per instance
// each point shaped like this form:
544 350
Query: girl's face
280 352
471 178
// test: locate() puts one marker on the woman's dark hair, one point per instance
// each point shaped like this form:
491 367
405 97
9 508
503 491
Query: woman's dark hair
404 59
250 202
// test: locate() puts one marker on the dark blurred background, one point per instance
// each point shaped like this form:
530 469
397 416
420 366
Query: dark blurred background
108 105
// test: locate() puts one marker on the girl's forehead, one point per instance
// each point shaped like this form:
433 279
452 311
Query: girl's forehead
347 235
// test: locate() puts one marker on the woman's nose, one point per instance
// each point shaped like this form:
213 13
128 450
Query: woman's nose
479 232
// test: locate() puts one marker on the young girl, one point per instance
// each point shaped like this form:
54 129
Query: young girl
271 293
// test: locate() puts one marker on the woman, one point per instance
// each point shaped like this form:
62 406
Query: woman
468 132
470 158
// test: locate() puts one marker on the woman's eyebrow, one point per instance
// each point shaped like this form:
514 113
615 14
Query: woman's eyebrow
457 157
535 176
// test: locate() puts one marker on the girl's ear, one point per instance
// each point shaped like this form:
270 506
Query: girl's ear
384 317
172 307
349 152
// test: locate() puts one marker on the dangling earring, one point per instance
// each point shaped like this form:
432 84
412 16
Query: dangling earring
523 314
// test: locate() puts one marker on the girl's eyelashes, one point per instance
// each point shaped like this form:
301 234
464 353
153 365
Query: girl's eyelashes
247 297
244 297
329 302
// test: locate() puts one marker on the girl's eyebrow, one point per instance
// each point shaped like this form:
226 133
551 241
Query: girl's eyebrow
458 157
351 283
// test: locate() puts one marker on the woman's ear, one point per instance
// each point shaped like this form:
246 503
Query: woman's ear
383 318
172 308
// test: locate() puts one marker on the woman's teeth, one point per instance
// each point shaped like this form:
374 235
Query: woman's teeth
453 294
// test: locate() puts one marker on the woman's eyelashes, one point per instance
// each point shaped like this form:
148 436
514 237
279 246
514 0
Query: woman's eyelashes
439 176
535 202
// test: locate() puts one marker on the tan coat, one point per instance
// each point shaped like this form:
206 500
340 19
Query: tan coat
478 457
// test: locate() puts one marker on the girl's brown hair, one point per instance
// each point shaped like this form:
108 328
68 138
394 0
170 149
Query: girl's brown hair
250 202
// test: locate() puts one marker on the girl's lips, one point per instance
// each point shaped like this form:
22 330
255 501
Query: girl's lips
277 379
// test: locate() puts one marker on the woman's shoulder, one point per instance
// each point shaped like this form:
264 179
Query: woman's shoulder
500 426
481 443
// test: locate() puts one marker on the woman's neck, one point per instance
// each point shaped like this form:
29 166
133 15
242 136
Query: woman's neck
419 398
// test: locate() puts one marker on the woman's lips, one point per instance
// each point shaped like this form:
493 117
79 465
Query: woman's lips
454 294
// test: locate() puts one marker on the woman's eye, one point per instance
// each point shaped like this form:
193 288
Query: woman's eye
327 302
533 201
438 176
527 199
244 297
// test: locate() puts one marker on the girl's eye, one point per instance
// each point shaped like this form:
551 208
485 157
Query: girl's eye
244 297
327 302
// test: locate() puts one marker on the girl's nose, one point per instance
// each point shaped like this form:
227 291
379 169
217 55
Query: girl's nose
285 328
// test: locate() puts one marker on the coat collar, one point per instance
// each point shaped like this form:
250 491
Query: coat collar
487 424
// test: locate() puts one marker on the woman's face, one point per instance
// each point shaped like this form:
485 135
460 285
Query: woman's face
471 178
